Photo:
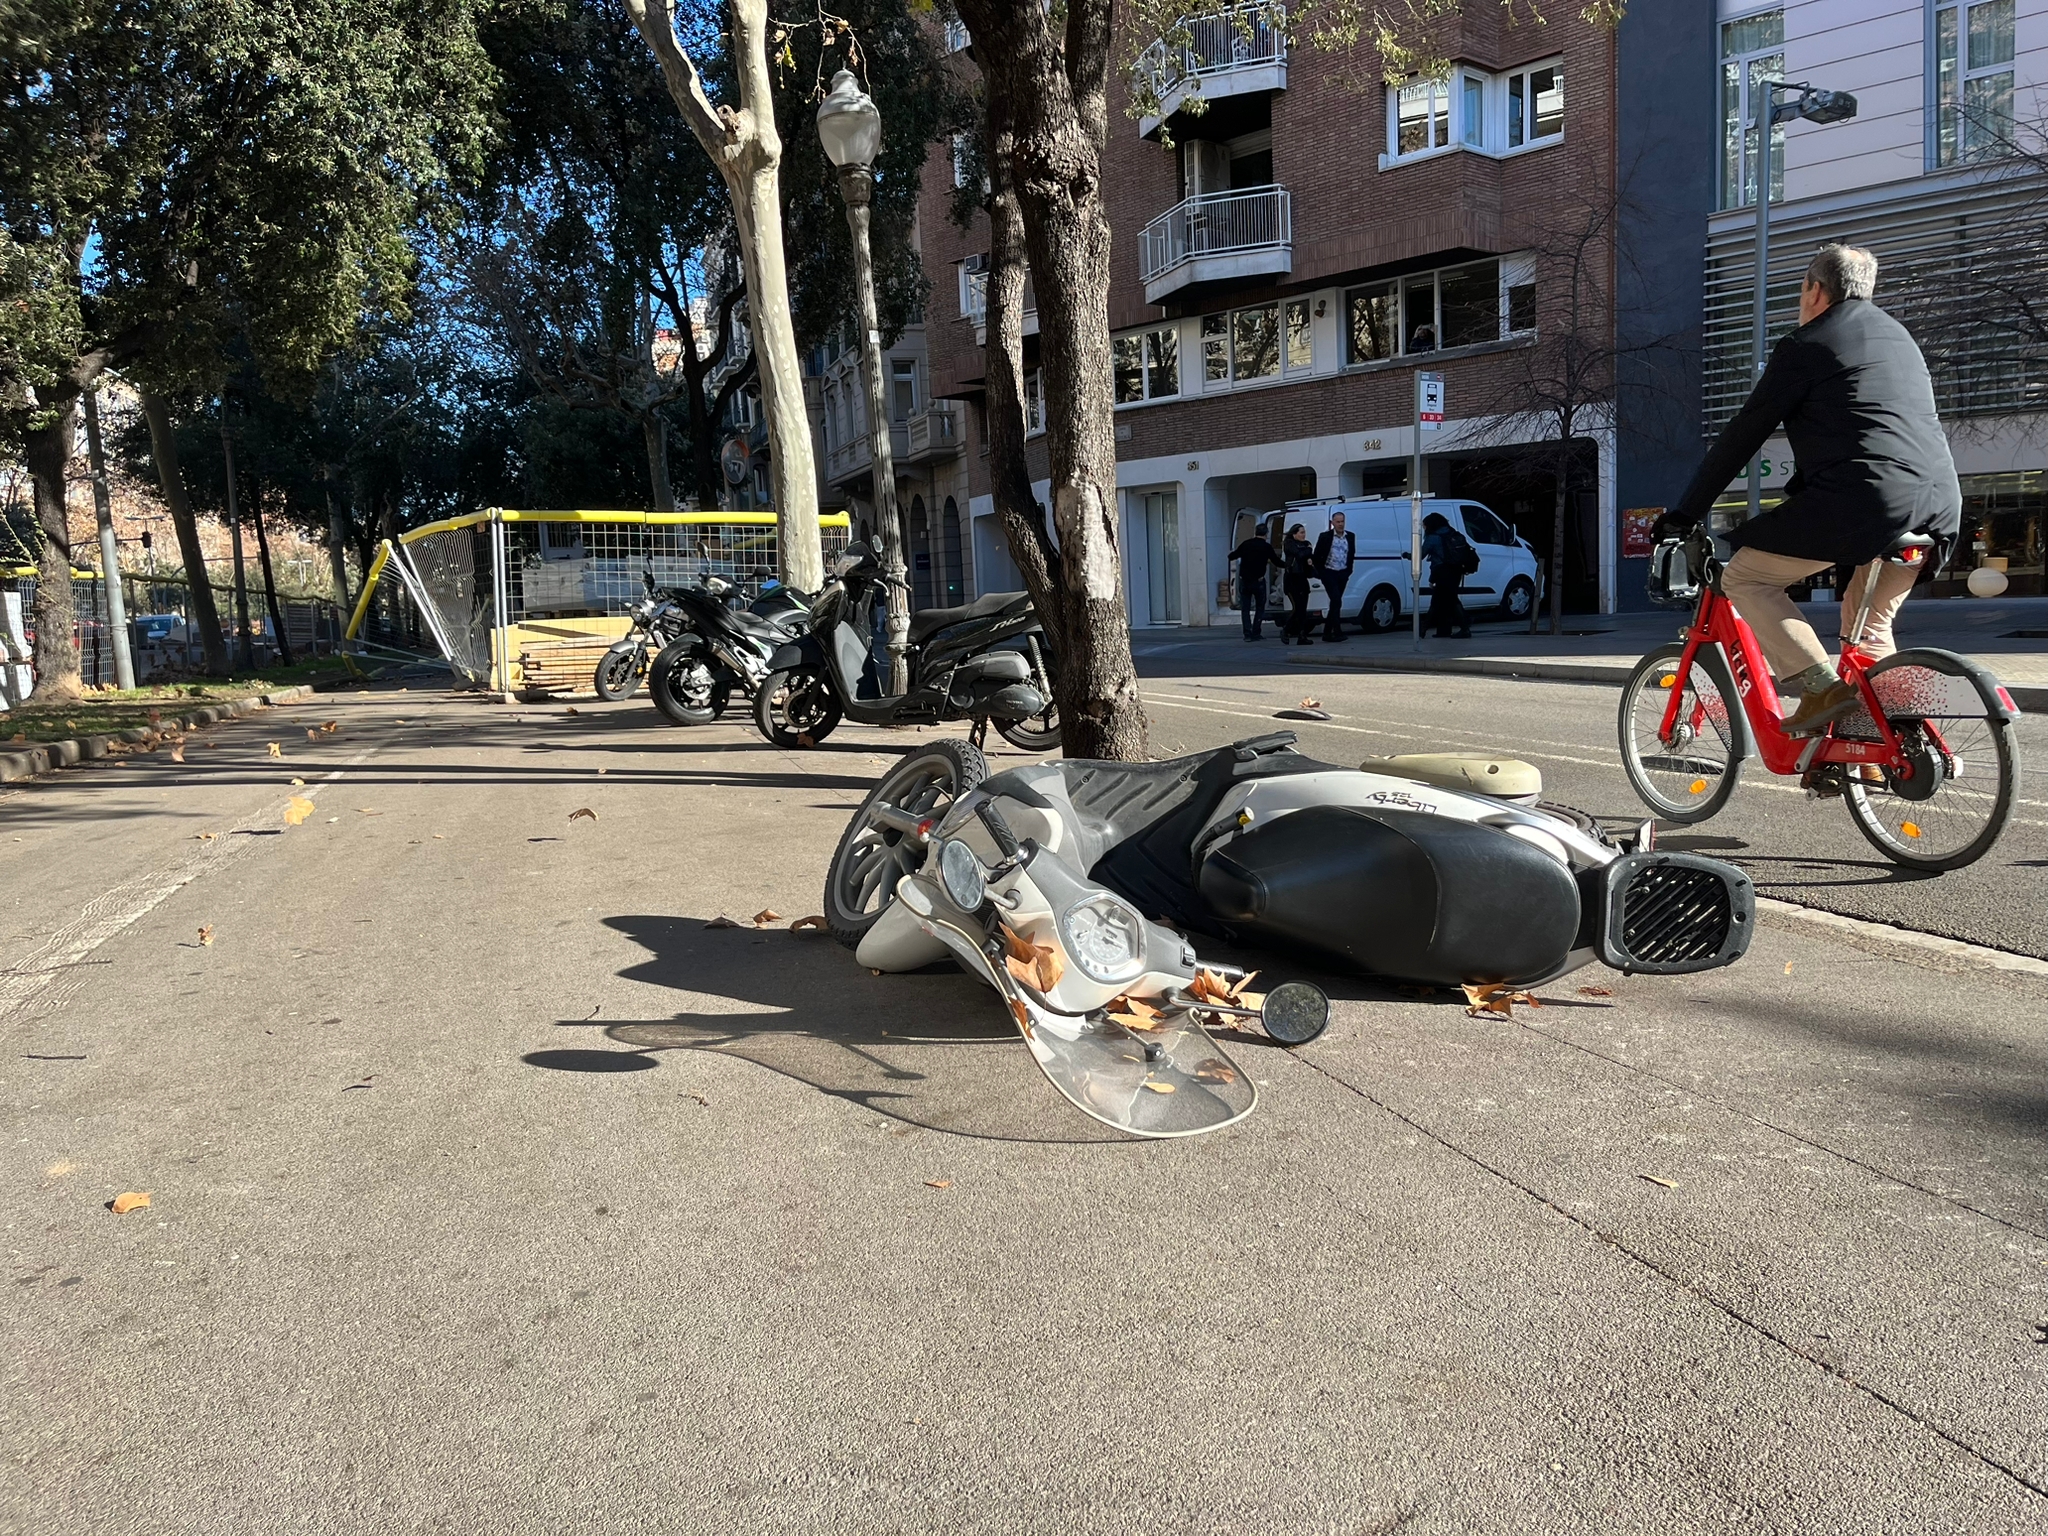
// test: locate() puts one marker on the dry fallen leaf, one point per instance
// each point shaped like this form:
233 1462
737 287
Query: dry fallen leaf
206 934
364 810
802 923
721 921
330 725
583 811
1022 1015
1311 703
1155 1086
572 709
1788 967
1038 966
134 1200
938 1183
1215 1070
58 1169
1596 991
1494 998
276 749
1667 1183
332 819
204 837
440 837
312 735
767 915
296 810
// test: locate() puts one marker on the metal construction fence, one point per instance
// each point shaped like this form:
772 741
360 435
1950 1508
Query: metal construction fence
483 590
163 637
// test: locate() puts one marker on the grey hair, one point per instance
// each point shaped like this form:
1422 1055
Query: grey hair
1843 272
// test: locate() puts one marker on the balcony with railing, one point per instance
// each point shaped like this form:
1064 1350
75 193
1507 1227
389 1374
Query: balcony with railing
850 460
933 434
1234 52
1217 237
974 305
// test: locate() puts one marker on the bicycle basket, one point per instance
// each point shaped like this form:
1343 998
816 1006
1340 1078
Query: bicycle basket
1673 583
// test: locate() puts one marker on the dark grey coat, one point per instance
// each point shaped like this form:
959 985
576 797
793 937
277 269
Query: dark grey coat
1872 462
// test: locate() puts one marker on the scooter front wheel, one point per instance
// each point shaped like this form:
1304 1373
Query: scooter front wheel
1688 776
796 707
876 850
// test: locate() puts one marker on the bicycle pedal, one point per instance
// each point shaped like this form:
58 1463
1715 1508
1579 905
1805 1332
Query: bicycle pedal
1826 782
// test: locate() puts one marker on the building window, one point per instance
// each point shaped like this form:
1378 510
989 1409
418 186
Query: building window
1973 80
1147 365
1535 105
1752 56
902 388
1462 306
1259 343
957 40
1472 109
1422 117
960 158
1034 403
1372 320
1301 340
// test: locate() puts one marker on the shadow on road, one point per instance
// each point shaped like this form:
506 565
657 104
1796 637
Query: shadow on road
932 1049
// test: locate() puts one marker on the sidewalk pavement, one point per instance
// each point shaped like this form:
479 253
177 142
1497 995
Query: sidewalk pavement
2009 636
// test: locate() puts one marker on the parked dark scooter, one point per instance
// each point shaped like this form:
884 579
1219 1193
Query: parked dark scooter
985 661
723 647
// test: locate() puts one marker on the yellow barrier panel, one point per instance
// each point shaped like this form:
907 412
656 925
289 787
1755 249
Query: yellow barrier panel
362 612
658 519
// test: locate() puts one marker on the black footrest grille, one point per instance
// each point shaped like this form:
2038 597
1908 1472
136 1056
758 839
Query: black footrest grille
1669 913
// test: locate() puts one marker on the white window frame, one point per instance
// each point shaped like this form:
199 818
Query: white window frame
1530 138
1034 402
1746 110
1515 269
1282 374
1951 116
1147 339
1465 90
959 147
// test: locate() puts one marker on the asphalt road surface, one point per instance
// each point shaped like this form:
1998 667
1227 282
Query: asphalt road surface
493 1190
1208 687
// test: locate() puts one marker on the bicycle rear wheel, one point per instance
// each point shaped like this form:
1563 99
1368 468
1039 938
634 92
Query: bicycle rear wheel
1690 776
1952 806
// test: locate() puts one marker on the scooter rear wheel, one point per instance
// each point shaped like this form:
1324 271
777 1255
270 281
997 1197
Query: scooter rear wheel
795 708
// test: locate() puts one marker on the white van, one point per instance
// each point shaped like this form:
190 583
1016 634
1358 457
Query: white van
1380 593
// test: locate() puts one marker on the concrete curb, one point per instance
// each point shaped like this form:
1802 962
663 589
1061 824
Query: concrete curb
1905 938
48 756
2031 700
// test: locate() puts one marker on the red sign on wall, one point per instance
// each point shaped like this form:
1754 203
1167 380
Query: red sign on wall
1637 542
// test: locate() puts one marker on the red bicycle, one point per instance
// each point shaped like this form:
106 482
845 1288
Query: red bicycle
1928 765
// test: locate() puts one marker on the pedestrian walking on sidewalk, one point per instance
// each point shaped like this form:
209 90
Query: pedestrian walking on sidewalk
1297 558
1336 550
1451 558
1254 556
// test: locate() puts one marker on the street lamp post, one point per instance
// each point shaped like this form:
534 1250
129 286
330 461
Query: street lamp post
1814 106
851 130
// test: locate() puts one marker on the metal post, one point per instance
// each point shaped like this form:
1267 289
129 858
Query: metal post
501 598
857 186
110 555
1415 516
1758 348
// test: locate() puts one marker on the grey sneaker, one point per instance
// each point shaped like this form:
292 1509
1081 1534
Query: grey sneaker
1817 711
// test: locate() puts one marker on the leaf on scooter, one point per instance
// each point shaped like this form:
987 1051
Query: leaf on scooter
1211 988
1135 1013
1493 998
1216 1070
1038 966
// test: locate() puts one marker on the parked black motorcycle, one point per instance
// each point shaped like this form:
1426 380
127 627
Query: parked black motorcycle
723 646
656 622
985 661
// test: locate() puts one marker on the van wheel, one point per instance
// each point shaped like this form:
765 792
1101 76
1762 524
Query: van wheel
1382 610
1519 598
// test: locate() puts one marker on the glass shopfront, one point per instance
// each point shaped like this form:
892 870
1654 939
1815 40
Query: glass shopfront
2003 521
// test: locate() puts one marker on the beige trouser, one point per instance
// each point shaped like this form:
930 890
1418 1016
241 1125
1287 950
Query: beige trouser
1755 582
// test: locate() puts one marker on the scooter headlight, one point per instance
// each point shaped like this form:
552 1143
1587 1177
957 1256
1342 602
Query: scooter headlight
1105 937
966 882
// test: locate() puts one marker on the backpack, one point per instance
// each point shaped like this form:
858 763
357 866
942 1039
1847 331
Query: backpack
1460 558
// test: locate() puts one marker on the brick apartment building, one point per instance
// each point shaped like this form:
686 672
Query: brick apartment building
1289 261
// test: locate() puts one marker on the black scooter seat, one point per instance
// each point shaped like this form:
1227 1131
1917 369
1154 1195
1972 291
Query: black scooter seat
930 621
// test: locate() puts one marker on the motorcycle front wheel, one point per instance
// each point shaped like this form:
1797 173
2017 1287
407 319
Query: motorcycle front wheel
618 675
796 707
682 685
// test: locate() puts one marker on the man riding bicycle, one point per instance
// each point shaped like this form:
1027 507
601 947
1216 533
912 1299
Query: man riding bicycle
1852 391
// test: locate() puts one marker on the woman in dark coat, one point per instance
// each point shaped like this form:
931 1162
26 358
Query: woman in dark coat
1297 564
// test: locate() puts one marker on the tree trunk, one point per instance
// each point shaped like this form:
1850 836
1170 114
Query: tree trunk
747 151
54 610
655 431
1053 100
1031 545
337 540
245 645
163 444
284 646
1564 480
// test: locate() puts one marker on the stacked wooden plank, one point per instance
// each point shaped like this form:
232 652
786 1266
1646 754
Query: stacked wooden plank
561 666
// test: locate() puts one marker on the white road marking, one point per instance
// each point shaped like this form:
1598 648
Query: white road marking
53 971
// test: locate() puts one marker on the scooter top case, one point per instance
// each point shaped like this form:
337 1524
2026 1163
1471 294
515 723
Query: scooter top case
1379 873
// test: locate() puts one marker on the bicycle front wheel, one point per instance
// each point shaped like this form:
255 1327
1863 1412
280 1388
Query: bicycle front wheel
1689 775
1953 800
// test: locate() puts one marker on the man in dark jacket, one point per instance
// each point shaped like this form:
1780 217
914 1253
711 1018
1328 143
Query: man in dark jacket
1857 405
1254 556
1336 552
1441 547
